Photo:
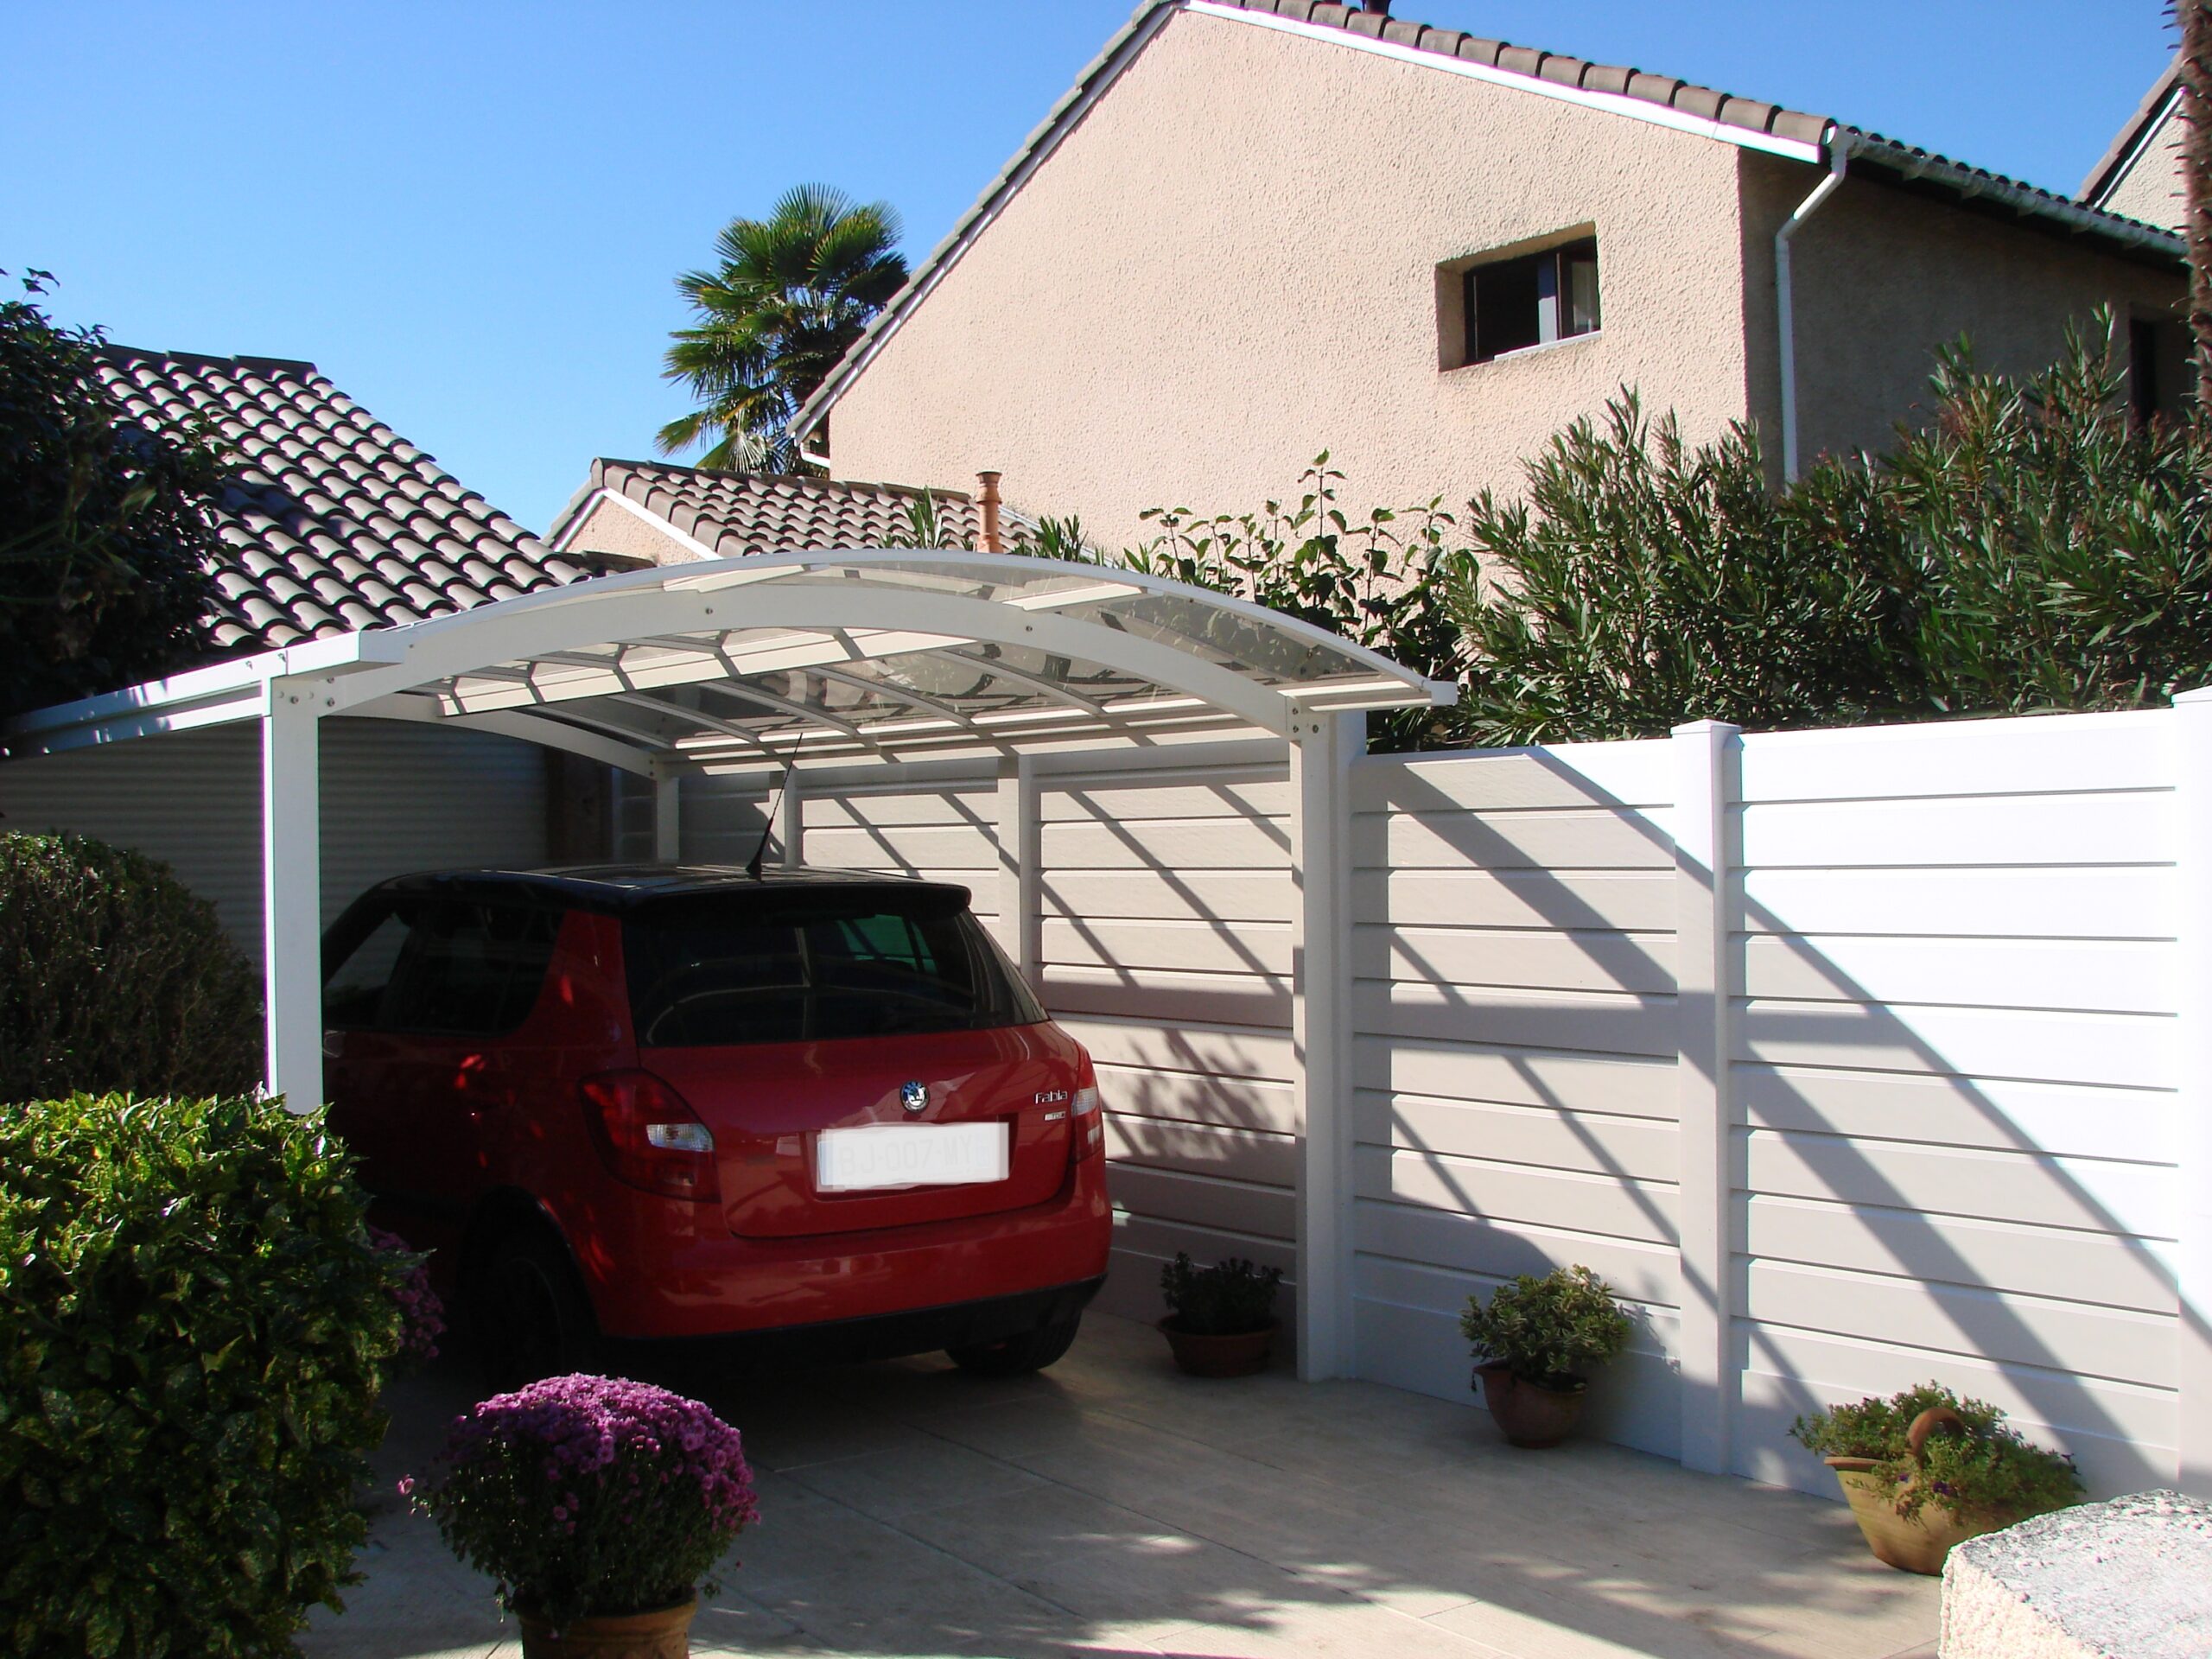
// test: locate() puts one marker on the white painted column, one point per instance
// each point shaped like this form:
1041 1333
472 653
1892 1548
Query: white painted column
1322 749
668 818
1708 761
291 888
790 821
2193 1258
1020 925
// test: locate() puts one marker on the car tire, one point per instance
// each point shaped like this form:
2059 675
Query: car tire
530 1315
1032 1350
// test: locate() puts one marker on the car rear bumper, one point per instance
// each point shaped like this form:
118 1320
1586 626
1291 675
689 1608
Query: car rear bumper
652 1279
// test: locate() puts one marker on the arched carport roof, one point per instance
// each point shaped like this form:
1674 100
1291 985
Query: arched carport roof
830 658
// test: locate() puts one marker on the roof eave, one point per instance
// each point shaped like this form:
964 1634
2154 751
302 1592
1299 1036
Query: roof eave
2128 142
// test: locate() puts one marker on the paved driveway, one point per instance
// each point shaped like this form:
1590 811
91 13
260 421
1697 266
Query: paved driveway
1112 1506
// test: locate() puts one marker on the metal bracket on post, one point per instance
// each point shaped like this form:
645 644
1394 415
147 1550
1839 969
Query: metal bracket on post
1322 749
2193 1180
668 814
1708 757
291 887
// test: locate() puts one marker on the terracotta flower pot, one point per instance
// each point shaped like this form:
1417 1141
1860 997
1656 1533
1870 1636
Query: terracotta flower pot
1919 1542
1240 1355
664 1633
1529 1413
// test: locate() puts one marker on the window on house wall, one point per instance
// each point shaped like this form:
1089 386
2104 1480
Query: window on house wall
1528 299
2158 368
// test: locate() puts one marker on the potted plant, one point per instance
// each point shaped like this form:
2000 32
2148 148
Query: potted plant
1924 1470
1536 1339
1221 1320
597 1506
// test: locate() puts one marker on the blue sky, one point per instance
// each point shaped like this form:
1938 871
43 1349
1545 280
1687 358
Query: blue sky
469 213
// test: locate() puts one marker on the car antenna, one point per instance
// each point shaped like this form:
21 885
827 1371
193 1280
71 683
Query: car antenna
753 864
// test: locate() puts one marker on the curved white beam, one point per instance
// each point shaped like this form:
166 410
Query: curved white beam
517 631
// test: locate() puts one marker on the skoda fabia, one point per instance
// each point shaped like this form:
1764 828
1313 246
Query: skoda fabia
816 1110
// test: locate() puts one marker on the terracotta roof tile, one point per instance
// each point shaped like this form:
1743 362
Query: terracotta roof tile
737 513
325 512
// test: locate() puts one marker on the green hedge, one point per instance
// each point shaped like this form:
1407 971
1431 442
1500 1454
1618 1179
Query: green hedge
192 1324
113 975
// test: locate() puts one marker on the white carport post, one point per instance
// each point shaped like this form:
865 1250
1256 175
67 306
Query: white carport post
291 886
1322 749
668 815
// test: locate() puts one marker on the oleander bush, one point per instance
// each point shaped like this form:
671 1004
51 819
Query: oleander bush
113 975
1226 1299
193 1328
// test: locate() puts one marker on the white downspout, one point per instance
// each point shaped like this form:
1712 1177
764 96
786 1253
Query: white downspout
1840 149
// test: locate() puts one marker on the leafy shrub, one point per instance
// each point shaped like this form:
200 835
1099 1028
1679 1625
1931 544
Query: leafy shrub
1548 1331
1987 1470
1643 582
1381 582
114 977
105 538
193 1325
1227 1299
584 1495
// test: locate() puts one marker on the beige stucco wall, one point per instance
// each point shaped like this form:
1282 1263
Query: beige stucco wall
2151 188
1882 277
609 528
1232 263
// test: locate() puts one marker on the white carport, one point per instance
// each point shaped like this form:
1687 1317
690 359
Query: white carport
838 658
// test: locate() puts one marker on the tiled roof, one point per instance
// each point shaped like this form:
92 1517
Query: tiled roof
332 521
1680 103
733 514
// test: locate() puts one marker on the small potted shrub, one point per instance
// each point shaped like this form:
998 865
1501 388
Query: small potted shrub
1221 1320
1535 1340
597 1506
1924 1470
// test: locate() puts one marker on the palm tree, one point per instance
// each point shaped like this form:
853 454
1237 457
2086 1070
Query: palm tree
791 293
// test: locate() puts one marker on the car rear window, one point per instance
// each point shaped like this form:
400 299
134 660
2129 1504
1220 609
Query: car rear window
725 969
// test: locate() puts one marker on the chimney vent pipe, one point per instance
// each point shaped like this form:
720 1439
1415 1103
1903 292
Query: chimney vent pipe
988 496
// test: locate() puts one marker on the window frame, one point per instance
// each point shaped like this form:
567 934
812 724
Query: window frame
1550 260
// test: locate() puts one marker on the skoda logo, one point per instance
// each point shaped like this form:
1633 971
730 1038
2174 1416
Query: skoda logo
914 1097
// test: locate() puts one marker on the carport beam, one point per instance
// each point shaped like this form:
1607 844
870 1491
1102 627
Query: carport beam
1322 749
291 887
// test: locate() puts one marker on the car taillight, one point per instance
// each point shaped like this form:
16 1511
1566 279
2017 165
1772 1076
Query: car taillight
1087 1125
648 1137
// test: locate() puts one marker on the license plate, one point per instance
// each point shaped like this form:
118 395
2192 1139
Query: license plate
909 1154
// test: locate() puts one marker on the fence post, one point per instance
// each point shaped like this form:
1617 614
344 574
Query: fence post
668 817
1019 843
1322 749
790 820
2193 1263
1708 761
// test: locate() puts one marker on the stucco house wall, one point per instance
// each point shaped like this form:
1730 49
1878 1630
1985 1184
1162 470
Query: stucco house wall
2151 190
1882 277
1232 262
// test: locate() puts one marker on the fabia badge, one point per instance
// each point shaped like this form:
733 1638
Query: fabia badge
914 1097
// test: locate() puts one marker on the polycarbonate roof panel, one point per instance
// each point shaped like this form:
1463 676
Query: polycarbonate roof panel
848 654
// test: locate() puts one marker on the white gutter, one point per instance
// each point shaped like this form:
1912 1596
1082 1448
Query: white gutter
1840 149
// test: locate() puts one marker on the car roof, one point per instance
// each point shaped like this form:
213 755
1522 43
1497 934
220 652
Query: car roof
623 887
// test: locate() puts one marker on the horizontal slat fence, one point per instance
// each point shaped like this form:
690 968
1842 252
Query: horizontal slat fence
1953 1079
1513 1052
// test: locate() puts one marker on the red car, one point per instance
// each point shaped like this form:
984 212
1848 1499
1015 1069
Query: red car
816 1110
